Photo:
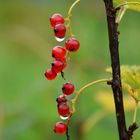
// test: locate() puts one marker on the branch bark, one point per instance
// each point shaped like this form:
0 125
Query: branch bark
115 63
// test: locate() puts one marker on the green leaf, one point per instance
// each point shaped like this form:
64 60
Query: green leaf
134 6
119 1
130 4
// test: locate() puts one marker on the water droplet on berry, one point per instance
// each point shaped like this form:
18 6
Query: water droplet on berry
59 39
64 118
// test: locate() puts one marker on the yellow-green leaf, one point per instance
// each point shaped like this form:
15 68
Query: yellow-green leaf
134 6
130 76
133 92
130 4
119 1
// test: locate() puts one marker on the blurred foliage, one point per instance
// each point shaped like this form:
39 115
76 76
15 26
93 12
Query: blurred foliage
130 76
123 5
27 99
106 101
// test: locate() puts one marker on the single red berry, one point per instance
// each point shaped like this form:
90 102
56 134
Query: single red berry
63 59
68 88
56 19
60 30
63 109
72 44
57 66
58 52
60 128
61 99
50 75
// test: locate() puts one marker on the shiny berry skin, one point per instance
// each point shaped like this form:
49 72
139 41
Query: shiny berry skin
72 44
60 30
57 66
61 99
60 128
50 75
58 52
56 19
68 88
63 109
63 59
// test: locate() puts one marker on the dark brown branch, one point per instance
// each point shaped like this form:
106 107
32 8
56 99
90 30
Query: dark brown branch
115 63
131 129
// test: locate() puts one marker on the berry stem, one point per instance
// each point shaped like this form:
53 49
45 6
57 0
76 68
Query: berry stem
74 100
135 111
69 17
67 134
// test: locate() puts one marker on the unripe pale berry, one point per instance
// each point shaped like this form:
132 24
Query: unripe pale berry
63 109
58 52
72 44
56 19
50 75
60 30
68 88
60 128
57 66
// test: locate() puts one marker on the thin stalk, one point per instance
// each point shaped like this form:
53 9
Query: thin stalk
69 17
135 112
74 100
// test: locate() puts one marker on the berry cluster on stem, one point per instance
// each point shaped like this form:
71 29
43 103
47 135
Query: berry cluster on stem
60 56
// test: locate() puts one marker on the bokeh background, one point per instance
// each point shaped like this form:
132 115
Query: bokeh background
27 99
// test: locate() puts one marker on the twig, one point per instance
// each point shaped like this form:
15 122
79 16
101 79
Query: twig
131 129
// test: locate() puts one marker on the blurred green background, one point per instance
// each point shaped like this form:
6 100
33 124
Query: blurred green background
27 99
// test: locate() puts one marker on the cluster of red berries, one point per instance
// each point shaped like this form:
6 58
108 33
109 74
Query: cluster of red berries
59 53
63 108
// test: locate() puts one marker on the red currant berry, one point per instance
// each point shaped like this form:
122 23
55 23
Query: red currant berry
60 30
58 52
50 75
57 66
60 128
63 59
56 19
72 44
63 109
68 88
61 99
